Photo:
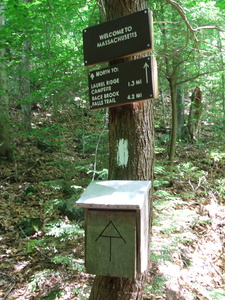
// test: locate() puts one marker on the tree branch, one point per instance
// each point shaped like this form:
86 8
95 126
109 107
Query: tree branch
181 12
201 74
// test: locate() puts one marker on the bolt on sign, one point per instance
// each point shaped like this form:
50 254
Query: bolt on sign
123 83
118 38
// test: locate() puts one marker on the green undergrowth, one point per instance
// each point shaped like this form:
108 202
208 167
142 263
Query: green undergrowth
180 195
54 242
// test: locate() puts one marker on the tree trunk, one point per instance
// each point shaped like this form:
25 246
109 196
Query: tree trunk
223 97
170 78
25 84
180 111
195 113
163 108
5 149
219 42
131 143
173 138
25 87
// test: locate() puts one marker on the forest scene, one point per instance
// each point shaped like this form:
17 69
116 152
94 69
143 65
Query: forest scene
52 145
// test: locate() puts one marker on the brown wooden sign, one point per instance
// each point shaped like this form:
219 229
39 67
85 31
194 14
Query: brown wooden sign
120 37
123 83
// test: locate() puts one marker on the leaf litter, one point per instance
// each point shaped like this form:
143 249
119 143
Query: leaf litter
187 250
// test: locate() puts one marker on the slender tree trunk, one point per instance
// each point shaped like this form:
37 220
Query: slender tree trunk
195 114
173 132
25 87
25 84
5 149
131 142
173 138
180 110
223 96
222 75
163 108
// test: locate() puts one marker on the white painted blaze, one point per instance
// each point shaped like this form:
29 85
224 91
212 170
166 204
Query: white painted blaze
122 152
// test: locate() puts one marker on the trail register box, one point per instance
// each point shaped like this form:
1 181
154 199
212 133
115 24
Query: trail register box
116 227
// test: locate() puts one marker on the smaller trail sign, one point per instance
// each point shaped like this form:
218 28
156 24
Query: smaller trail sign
123 83
117 38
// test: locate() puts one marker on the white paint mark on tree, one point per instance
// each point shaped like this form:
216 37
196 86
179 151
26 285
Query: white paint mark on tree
122 153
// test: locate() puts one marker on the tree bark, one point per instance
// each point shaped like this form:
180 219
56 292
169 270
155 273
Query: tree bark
131 143
25 87
173 138
5 149
180 111
219 42
195 113
25 83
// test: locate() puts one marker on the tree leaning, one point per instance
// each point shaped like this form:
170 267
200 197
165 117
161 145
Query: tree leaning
131 130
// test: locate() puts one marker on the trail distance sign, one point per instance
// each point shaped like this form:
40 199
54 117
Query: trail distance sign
124 83
118 38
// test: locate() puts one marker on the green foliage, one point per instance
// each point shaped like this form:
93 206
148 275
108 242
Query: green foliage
220 4
72 264
158 285
48 139
29 190
217 294
63 231
28 226
164 254
189 171
221 186
56 233
89 142
66 205
55 293
217 156
99 175
54 30
41 276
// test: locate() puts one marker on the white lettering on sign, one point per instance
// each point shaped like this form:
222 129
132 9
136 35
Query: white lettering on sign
134 96
122 153
102 72
101 90
110 95
116 36
118 39
115 69
111 34
98 84
134 82
115 33
108 101
112 81
97 103
98 97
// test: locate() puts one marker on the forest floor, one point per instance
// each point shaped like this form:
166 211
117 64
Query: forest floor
42 246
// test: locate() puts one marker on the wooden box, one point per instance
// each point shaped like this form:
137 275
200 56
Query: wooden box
116 227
